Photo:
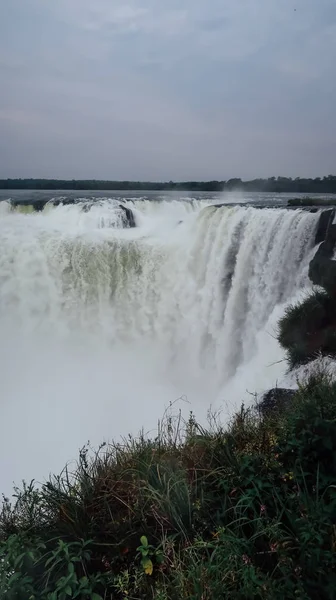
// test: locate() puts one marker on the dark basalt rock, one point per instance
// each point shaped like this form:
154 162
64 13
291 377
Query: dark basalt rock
322 268
275 400
325 221
130 220
322 271
64 201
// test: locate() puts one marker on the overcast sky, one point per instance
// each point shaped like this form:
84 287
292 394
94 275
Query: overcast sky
167 89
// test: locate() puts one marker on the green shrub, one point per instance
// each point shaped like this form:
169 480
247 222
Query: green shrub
308 329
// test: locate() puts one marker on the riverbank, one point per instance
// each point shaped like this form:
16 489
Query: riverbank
317 185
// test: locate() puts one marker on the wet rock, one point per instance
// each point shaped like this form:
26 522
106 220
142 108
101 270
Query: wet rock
325 221
275 400
322 271
322 268
129 216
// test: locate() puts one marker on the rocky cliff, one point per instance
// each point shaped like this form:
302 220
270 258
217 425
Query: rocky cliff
322 269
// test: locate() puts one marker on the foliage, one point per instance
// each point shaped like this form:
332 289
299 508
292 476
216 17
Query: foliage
308 329
245 512
148 555
326 185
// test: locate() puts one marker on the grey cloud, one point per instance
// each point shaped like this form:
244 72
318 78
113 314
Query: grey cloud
149 90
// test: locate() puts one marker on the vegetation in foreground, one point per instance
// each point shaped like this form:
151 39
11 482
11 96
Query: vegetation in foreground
247 512
308 329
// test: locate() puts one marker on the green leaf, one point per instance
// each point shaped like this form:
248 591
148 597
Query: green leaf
144 541
60 583
41 546
19 559
147 566
68 591
13 578
96 597
70 578
159 558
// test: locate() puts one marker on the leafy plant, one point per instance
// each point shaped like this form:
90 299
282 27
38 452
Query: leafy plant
149 554
308 328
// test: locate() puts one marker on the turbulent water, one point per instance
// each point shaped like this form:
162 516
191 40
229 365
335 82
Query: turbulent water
102 327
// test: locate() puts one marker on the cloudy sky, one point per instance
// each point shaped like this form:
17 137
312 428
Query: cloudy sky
167 89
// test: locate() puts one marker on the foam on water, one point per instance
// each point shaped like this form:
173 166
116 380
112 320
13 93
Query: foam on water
102 327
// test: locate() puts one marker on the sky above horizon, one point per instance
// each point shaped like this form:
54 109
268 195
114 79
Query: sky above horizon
153 90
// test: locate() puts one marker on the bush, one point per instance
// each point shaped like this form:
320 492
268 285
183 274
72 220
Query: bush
247 513
308 329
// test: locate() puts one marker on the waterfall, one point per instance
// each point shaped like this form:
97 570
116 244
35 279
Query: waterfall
103 326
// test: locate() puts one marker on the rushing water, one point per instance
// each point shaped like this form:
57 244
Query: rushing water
102 327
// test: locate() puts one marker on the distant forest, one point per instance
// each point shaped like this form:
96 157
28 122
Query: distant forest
324 185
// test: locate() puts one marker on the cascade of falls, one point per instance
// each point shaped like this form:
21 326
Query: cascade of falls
102 326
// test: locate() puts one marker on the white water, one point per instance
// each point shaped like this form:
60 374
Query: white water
102 327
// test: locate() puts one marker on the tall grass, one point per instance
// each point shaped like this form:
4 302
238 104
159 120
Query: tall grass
243 512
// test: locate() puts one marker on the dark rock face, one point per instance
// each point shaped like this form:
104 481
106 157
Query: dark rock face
322 268
322 271
275 401
325 220
129 216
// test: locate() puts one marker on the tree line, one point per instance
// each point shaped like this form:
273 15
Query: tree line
324 185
